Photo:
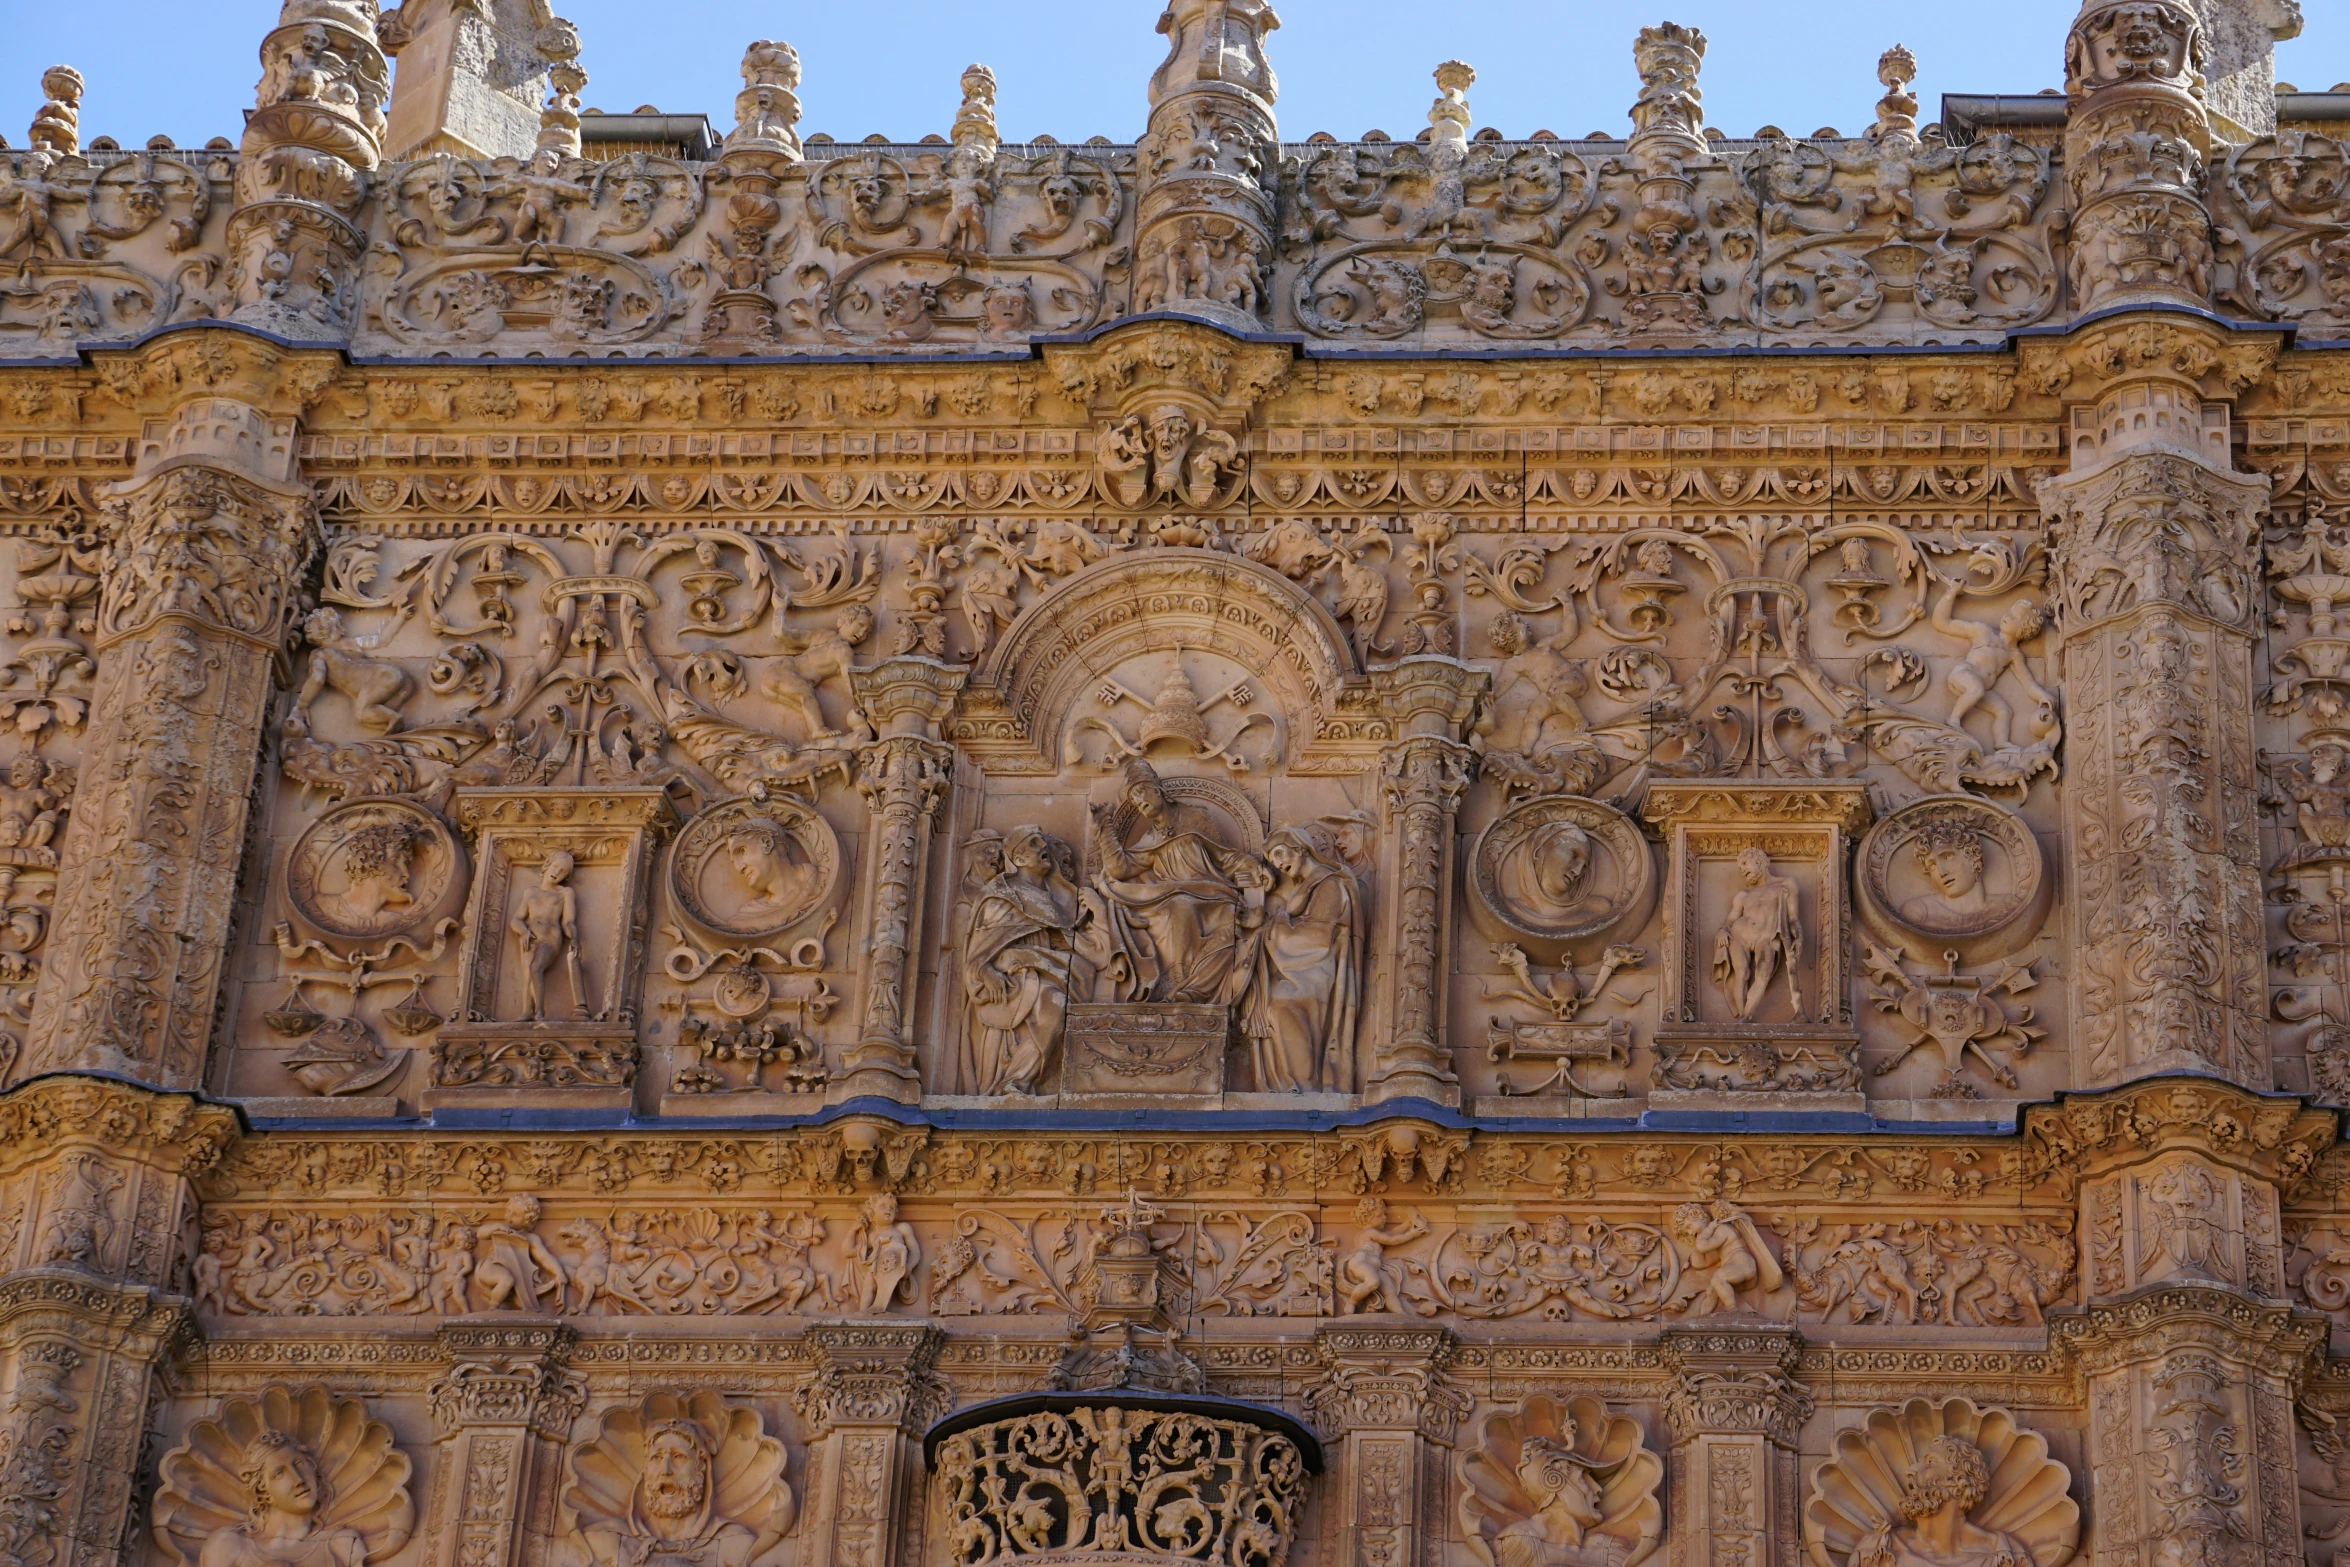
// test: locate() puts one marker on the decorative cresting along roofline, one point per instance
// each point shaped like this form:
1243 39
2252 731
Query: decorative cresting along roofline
459 214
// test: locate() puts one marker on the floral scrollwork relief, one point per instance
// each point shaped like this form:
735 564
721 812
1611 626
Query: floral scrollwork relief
1556 1481
1941 1483
1107 1483
289 1478
683 1480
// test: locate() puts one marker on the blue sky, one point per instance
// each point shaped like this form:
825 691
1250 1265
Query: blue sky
1075 68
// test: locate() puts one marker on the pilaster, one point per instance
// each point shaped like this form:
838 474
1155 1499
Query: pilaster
1389 1407
1425 770
1736 1413
2187 1347
97 1176
904 776
213 535
874 1393
501 1414
2158 604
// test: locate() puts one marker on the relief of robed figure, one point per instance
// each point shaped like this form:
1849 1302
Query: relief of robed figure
1035 943
1306 996
1184 909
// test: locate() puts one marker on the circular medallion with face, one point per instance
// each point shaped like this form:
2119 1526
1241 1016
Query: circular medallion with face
1561 869
755 868
374 868
1953 872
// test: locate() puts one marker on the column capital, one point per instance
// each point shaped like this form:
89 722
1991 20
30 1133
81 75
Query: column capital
874 1374
508 1376
1387 1379
1735 1381
2271 1337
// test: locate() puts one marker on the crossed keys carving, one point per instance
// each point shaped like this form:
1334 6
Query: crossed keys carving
1177 713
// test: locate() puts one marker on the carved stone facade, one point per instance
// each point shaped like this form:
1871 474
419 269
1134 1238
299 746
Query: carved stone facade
756 853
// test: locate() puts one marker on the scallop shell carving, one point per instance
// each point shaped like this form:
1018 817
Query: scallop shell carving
743 1494
363 1478
1559 1480
1856 1501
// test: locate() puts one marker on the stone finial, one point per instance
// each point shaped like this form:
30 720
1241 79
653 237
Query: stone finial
57 124
558 41
1897 111
1668 56
1448 116
1219 45
975 121
768 108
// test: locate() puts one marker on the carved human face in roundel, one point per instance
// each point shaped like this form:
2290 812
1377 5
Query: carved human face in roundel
677 1477
1562 862
1955 869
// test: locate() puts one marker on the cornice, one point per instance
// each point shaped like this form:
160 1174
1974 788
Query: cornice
176 1132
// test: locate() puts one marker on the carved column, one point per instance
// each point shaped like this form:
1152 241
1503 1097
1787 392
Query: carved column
95 1183
2158 597
501 1414
1425 770
294 243
1210 166
2189 1351
1389 1407
2135 142
1736 1413
211 539
904 776
873 1396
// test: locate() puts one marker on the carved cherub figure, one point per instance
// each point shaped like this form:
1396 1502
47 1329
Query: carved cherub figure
824 655
29 807
1991 653
1366 1280
1721 1254
34 198
519 1269
339 662
545 927
969 189
1532 733
2321 797
883 1254
540 192
1761 932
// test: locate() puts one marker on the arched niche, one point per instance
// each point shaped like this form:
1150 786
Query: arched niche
1015 714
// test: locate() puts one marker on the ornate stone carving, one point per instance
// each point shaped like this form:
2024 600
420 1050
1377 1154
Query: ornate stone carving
1941 1482
1953 872
291 1475
1747 944
555 943
677 1477
1056 1486
1556 1478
